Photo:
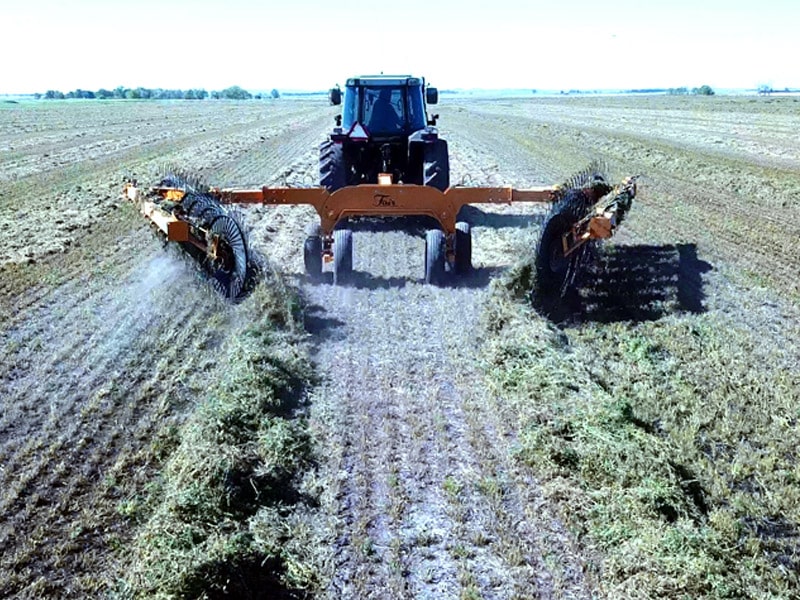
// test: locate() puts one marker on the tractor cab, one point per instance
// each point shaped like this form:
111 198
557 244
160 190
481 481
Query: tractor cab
384 128
385 106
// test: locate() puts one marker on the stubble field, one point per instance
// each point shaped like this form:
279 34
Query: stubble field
444 442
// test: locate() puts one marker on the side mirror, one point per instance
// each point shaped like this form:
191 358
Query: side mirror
431 95
335 96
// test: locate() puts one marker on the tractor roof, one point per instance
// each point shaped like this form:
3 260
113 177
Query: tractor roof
380 80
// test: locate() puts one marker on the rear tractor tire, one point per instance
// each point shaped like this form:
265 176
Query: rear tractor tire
436 165
332 172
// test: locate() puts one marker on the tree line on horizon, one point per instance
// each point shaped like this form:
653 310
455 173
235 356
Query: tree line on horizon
140 93
703 90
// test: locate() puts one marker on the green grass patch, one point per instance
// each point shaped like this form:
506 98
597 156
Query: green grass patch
219 522
670 446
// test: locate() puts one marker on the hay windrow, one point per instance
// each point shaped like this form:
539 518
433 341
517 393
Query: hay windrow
672 457
219 511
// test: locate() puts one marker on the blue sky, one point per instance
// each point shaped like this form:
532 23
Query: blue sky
312 44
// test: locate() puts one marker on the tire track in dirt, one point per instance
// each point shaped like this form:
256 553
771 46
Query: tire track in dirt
406 432
84 403
420 496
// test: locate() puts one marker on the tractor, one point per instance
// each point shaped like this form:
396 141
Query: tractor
384 129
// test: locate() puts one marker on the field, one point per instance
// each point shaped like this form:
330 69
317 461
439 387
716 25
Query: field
389 438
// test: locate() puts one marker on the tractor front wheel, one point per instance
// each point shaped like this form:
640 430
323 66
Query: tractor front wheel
436 165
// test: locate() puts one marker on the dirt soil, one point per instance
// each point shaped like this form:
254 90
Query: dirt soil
107 339
422 499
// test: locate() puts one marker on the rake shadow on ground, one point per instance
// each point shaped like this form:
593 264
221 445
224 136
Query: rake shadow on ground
362 280
412 225
636 283
479 218
368 281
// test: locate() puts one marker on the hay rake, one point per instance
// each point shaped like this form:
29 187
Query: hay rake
199 218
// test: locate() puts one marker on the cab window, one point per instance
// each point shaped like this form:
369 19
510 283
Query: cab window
416 109
384 110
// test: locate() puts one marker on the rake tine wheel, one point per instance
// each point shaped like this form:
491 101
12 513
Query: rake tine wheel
228 260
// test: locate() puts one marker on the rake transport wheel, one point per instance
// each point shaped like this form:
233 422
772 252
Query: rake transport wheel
434 256
463 248
312 251
342 255
227 259
312 256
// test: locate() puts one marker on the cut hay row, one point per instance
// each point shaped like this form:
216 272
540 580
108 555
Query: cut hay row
218 514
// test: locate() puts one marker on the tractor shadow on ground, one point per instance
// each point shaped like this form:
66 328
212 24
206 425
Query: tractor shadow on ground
636 283
321 326
417 226
367 281
477 278
363 280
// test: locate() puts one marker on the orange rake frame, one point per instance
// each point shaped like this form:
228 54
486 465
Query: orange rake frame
390 200
395 200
